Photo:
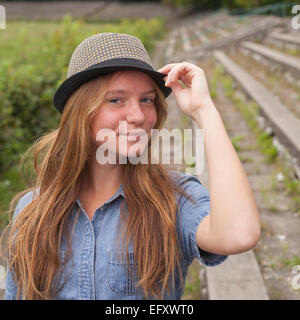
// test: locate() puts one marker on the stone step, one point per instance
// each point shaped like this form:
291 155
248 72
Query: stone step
171 44
185 40
292 63
202 37
285 125
237 278
288 38
246 33
223 33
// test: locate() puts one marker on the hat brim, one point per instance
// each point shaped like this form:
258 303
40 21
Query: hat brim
66 89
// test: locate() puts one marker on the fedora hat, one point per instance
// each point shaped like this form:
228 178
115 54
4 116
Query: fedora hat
104 53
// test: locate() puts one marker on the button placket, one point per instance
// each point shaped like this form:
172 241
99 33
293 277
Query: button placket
86 271
97 221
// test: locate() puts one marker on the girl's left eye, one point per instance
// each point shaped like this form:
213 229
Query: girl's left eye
149 100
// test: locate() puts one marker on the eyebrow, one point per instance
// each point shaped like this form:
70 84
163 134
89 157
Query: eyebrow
126 91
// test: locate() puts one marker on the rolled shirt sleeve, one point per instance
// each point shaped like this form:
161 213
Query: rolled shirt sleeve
190 217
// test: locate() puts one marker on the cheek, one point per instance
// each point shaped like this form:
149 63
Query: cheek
152 118
102 121
95 126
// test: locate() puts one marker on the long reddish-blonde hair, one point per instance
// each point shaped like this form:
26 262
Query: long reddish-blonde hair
60 159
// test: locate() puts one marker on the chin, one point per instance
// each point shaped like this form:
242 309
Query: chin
130 154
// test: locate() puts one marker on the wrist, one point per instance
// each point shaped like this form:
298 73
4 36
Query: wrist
207 107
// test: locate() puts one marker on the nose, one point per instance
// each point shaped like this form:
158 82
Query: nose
135 112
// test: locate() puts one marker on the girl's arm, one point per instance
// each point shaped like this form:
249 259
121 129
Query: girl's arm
233 225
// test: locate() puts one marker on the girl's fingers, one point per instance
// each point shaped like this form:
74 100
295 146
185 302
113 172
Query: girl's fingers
167 67
170 66
178 73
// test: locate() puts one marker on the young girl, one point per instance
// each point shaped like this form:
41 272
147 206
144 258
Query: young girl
93 230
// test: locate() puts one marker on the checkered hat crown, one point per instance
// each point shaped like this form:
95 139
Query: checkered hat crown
105 46
104 53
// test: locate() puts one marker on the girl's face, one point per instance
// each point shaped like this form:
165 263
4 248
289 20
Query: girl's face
128 105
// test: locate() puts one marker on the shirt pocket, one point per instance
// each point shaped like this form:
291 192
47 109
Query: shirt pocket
120 279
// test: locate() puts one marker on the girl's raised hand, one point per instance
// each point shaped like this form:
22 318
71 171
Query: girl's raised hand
196 94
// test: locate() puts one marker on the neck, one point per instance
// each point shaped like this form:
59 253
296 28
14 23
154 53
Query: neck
102 177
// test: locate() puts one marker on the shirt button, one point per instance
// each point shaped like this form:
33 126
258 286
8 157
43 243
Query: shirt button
102 209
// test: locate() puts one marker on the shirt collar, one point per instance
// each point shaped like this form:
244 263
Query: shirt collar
120 192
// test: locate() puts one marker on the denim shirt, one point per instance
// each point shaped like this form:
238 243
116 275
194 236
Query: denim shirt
96 270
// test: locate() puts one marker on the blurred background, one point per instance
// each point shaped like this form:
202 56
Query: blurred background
250 52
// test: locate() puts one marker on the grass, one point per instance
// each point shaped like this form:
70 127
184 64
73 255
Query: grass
294 52
249 110
235 141
291 262
265 142
245 159
266 195
264 227
12 182
213 88
192 290
271 261
291 184
284 247
9 186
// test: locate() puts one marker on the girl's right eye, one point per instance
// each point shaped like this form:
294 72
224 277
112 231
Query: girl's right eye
114 101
